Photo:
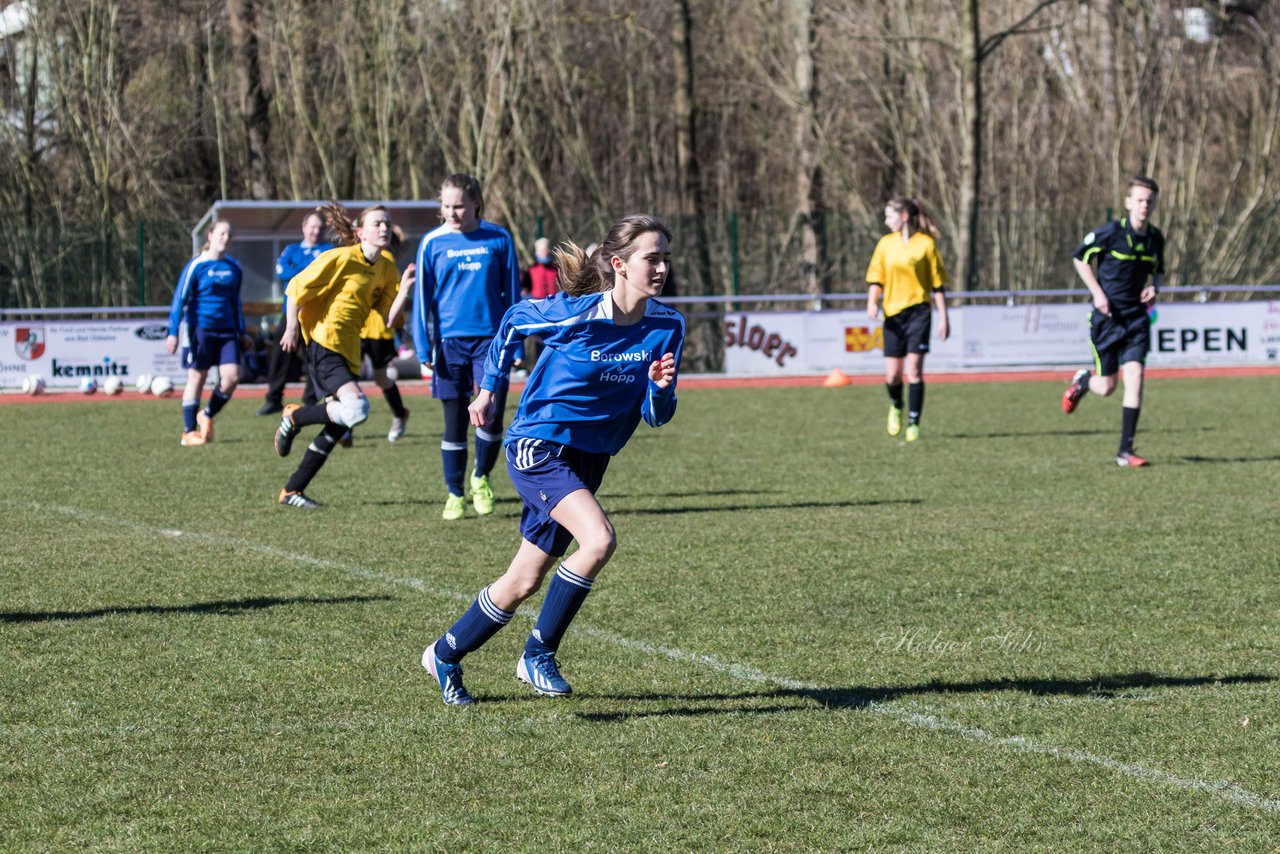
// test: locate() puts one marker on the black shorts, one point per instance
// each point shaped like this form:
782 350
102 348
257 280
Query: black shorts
381 351
329 370
1117 339
908 331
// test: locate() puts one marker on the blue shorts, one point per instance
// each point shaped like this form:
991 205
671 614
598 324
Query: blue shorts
211 348
543 473
458 367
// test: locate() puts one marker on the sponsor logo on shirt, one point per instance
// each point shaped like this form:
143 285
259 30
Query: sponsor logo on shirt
616 374
642 356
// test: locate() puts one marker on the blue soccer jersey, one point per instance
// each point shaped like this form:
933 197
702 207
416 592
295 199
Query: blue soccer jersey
207 297
295 258
465 282
591 386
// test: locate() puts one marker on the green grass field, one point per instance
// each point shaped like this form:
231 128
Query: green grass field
812 636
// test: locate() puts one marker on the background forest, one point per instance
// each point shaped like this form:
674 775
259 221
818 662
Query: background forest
770 132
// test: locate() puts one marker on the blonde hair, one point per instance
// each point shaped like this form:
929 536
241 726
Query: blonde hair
918 218
582 273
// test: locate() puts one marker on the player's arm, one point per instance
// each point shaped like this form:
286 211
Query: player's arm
944 321
1152 290
180 295
395 311
419 317
659 404
1085 271
874 291
875 281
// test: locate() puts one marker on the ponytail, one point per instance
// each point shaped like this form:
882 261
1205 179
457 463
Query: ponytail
918 218
344 228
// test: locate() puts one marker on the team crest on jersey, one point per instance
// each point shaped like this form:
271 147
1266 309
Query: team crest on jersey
29 342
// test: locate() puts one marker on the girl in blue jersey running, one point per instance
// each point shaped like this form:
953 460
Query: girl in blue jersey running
610 358
467 277
207 321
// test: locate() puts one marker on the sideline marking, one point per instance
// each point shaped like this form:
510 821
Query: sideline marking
1220 788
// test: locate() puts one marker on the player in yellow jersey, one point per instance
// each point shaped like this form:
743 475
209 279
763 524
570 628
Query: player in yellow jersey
378 342
329 303
907 273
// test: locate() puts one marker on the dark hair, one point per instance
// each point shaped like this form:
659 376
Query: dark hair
1142 181
344 228
582 274
470 188
918 218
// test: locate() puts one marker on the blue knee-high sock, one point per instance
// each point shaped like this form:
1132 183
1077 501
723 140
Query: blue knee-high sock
481 622
453 459
565 596
189 409
487 447
217 400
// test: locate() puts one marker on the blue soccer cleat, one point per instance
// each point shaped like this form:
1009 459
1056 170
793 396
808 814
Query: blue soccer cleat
448 676
541 672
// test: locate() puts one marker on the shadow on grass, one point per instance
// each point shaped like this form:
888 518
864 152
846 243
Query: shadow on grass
1019 434
1101 687
787 505
1198 459
223 607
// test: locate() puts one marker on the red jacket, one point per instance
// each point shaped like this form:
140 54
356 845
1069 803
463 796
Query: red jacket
541 280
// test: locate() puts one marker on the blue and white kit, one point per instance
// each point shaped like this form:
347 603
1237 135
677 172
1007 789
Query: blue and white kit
591 387
465 282
207 297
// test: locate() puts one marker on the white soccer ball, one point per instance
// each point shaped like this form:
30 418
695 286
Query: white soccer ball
143 383
88 385
162 387
33 384
112 386
393 373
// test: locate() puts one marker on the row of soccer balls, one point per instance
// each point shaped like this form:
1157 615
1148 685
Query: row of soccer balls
159 386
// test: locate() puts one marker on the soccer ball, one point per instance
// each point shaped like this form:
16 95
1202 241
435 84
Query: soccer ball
162 387
88 385
112 386
143 383
393 373
33 384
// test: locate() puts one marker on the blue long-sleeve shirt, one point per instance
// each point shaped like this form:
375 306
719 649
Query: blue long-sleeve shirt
207 297
591 386
464 283
292 261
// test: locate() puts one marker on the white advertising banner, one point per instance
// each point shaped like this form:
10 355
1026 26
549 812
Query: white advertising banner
1183 335
66 351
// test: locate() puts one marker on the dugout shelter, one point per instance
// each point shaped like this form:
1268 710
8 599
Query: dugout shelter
262 229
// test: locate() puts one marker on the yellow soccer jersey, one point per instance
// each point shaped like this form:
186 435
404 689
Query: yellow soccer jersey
337 293
908 270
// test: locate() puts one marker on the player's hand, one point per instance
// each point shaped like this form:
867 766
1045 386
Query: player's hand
944 328
662 373
406 280
873 310
480 408
424 369
171 344
1148 295
1102 304
289 339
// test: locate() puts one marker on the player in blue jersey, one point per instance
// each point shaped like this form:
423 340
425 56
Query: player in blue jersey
1130 258
207 321
293 260
467 278
610 358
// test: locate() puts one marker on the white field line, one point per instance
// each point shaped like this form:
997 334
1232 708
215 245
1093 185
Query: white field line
1223 789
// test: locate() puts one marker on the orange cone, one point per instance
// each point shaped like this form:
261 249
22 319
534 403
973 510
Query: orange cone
837 378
